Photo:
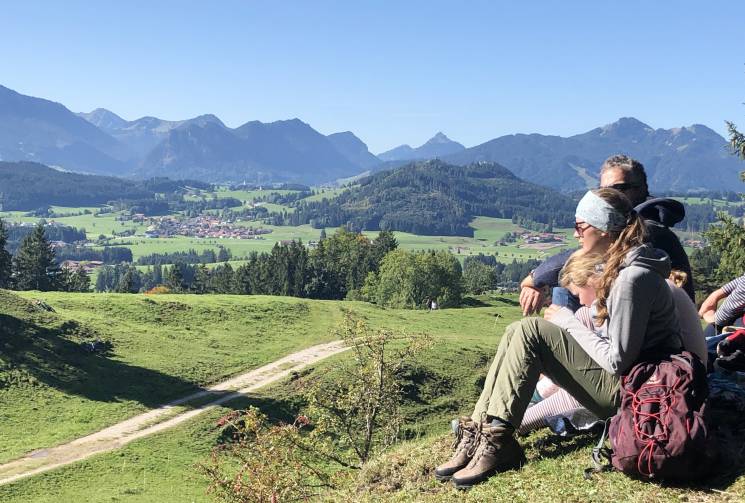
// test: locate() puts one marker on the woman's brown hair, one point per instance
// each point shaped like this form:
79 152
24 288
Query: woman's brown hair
624 240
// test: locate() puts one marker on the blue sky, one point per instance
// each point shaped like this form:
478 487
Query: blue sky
392 72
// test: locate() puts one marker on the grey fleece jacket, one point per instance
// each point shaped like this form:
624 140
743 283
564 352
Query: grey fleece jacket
641 314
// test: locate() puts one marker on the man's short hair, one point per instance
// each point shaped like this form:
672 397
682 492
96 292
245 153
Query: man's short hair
633 169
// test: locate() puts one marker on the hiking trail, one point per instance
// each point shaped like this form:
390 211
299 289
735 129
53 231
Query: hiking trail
163 417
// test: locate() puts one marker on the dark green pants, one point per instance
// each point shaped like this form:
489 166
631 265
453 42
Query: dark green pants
534 346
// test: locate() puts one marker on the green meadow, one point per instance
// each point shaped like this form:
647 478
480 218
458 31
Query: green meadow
199 340
487 231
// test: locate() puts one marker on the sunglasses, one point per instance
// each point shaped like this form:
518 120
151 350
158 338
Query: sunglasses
620 186
581 230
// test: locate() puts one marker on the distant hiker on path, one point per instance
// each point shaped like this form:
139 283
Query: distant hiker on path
634 312
627 175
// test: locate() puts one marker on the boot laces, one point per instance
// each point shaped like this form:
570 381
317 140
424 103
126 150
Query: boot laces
465 440
485 445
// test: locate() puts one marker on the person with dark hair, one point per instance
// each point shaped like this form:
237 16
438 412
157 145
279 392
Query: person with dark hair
634 312
626 175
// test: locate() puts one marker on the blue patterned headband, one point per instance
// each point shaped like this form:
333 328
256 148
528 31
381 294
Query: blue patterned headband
598 213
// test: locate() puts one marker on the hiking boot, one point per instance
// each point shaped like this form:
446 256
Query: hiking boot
497 451
466 438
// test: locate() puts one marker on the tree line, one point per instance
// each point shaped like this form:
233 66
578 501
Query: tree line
346 265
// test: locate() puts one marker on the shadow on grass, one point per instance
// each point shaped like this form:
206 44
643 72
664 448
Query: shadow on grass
473 302
554 446
507 300
53 357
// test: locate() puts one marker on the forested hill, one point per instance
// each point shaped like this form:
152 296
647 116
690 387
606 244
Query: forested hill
436 198
28 185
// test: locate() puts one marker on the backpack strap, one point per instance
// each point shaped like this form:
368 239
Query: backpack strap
601 455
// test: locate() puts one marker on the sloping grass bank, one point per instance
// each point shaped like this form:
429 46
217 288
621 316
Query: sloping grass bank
152 349
442 384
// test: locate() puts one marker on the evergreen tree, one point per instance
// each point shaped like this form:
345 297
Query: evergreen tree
105 279
75 280
174 280
6 259
157 275
222 279
34 265
126 283
201 280
223 255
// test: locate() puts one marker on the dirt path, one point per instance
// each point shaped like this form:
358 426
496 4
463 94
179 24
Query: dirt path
165 416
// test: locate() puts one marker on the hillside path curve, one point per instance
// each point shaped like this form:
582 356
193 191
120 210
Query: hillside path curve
163 417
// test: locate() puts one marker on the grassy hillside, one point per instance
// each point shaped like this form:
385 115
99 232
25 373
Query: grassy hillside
445 381
442 384
160 348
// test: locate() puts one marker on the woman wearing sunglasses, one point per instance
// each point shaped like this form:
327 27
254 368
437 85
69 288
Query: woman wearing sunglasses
627 175
634 312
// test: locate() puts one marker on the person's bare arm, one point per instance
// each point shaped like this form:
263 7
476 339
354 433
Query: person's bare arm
709 306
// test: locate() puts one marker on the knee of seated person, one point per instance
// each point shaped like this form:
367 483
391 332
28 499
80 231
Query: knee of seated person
530 328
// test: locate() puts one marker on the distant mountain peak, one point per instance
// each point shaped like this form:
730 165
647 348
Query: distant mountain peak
440 137
354 149
104 119
626 126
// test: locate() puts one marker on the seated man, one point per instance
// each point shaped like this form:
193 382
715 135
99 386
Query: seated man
622 173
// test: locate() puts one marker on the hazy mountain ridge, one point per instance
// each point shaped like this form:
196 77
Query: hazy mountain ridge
101 142
686 158
35 129
288 150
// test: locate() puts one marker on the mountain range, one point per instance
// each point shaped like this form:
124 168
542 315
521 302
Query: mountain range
101 142
678 159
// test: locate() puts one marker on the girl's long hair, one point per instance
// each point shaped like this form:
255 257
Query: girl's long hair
625 240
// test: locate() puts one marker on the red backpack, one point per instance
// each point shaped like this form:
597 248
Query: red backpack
660 431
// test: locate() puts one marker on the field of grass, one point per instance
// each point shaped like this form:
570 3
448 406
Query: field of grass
486 232
443 383
201 344
163 347
325 193
706 200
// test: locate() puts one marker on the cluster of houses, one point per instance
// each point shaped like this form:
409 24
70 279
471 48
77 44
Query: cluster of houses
694 243
203 226
87 265
541 237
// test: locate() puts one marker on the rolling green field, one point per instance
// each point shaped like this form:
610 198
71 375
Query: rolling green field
167 346
707 200
487 230
446 378
163 347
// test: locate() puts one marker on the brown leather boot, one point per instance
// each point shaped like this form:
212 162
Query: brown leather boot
497 451
466 438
